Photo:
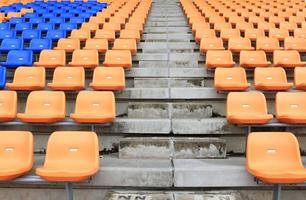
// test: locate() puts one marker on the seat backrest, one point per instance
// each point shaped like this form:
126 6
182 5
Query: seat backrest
229 33
12 43
295 43
290 102
271 74
29 34
229 75
267 42
299 75
85 56
219 56
254 33
65 43
29 75
20 56
252 56
286 56
41 43
8 102
300 32
49 56
239 42
78 33
95 43
68 74
276 32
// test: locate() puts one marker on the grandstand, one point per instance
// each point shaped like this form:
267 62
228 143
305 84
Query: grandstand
152 99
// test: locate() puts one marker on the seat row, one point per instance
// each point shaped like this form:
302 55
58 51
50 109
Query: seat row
64 79
253 59
251 108
71 156
50 107
267 79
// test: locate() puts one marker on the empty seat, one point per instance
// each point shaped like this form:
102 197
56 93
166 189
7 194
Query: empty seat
91 26
101 45
287 58
247 108
250 59
16 155
94 107
298 44
118 58
28 78
267 44
23 26
239 44
11 44
68 45
279 34
219 59
78 158
82 35
274 157
204 34
45 26
28 35
37 45
51 59
55 35
290 26
66 78
8 105
112 26
271 79
108 78
228 33
44 107
105 34
290 107
230 79
16 58
133 26
253 34
300 33
5 34
130 34
211 44
126 44
85 58
300 78
2 77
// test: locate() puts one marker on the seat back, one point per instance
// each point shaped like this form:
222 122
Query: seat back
68 74
270 75
51 56
252 57
267 43
286 56
219 56
299 75
295 43
8 102
85 56
40 44
290 103
65 43
20 57
29 75
12 44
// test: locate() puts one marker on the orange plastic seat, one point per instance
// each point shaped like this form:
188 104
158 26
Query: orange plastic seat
279 34
44 107
219 59
228 33
204 34
274 157
243 26
290 107
112 26
51 59
126 44
105 34
118 58
266 26
85 58
267 44
287 58
8 105
81 34
68 78
90 26
238 44
211 44
300 33
108 78
16 155
199 26
134 26
271 79
130 34
94 107
230 79
292 43
253 34
219 26
71 157
28 78
290 26
300 78
68 45
101 45
250 59
247 108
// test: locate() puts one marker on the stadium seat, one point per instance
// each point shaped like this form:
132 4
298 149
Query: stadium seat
55 35
68 45
5 26
90 26
126 44
16 58
274 157
287 58
80 34
94 107
300 33
101 45
204 34
8 105
253 34
247 108
105 34
290 26
130 34
68 78
17 155
251 59
45 26
134 26
292 43
23 26
11 44
211 44
28 78
279 34
290 107
68 26
2 77
228 33
57 20
300 78
51 59
230 79
28 35
219 59
239 44
108 78
272 78
44 107
267 44
219 26
77 161
118 58
85 58
37 45
6 34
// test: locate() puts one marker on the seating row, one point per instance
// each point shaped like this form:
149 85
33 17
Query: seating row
50 107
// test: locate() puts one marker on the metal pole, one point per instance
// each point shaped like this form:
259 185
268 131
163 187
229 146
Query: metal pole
277 192
69 191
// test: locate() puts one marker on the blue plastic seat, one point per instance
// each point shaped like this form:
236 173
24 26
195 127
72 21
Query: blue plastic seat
57 20
16 58
45 26
5 26
30 15
78 20
37 20
23 26
11 44
55 35
16 20
28 35
68 26
67 15
37 45
2 77
7 34
85 15
49 16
